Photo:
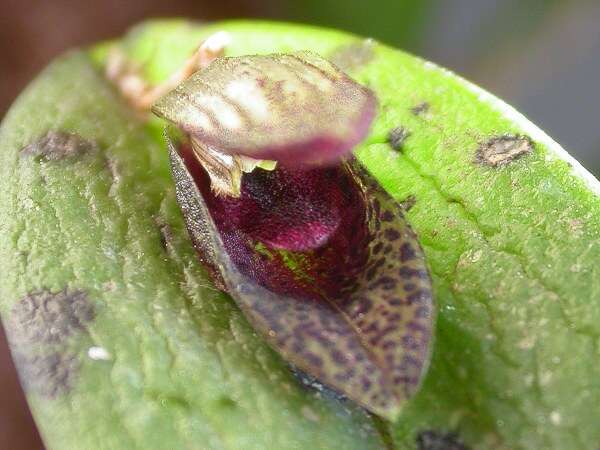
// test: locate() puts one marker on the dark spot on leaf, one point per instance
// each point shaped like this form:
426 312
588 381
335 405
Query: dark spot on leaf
227 402
40 328
439 440
408 202
353 56
397 136
501 150
421 108
46 317
50 374
166 233
56 145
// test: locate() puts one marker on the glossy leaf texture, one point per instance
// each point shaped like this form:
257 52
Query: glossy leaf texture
325 267
298 109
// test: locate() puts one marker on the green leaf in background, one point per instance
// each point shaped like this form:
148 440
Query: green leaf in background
122 343
399 22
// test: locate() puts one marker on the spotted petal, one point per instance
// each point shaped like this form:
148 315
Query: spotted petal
335 282
297 109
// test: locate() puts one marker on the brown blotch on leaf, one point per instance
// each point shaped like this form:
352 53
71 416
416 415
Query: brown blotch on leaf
46 317
439 440
502 150
420 109
408 202
166 233
40 330
55 145
397 136
49 375
353 56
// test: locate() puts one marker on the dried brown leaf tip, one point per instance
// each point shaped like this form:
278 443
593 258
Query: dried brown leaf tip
316 254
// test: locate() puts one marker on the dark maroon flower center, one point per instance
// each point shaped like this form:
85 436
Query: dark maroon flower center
295 231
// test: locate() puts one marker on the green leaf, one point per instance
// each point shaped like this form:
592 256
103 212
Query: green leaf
147 354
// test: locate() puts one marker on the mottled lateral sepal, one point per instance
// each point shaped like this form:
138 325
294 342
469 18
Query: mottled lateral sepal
335 282
197 219
297 109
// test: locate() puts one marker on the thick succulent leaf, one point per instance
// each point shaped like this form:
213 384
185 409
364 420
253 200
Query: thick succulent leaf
296 108
513 248
326 269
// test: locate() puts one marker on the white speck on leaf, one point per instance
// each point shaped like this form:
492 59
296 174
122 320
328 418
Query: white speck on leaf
28 203
555 418
99 354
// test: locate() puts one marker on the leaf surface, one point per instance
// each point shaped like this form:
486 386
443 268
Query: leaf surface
513 249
